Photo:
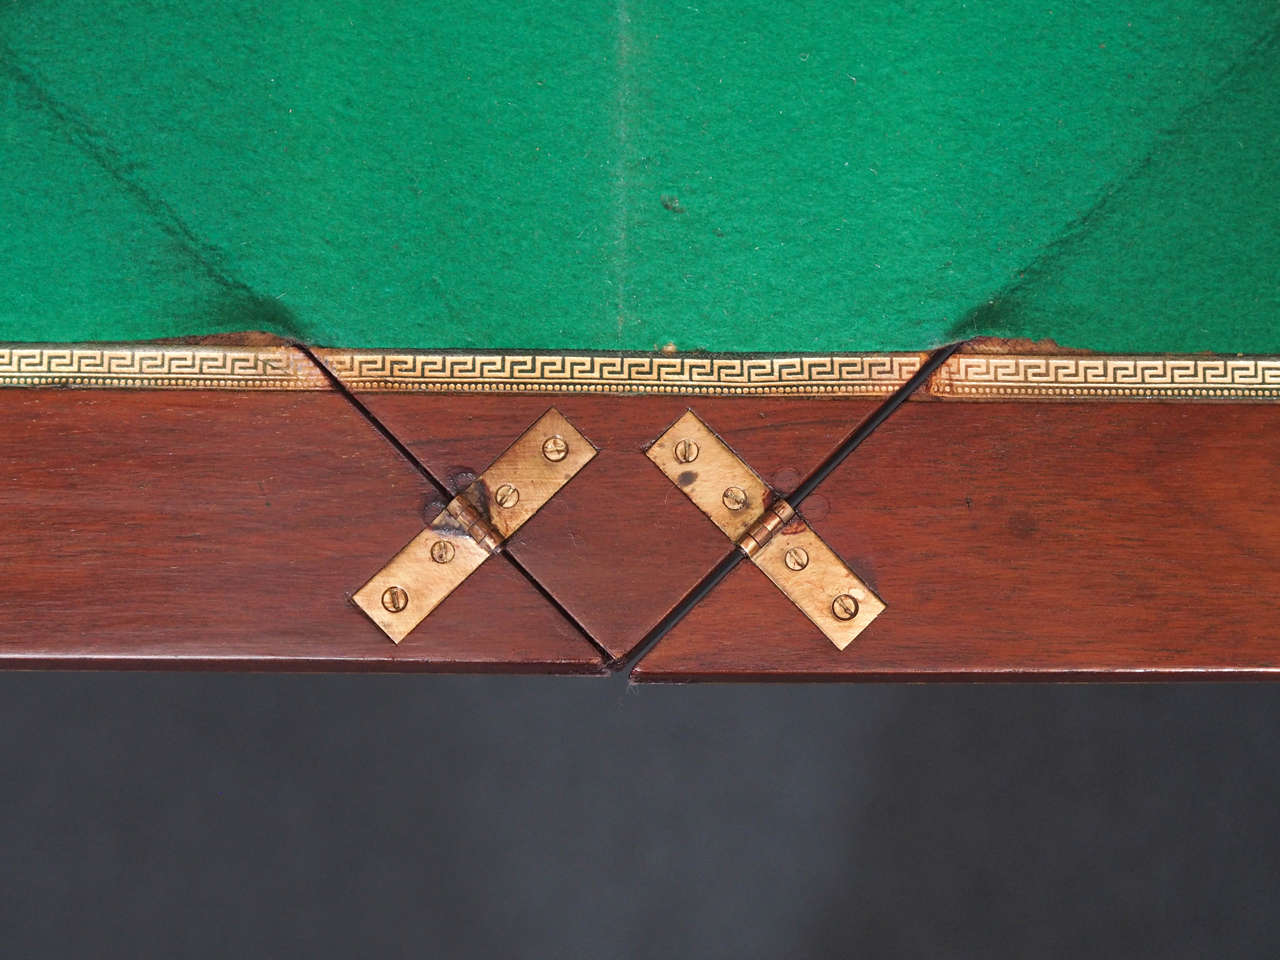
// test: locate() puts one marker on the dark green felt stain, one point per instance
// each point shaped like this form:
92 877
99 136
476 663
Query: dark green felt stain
736 176
1195 223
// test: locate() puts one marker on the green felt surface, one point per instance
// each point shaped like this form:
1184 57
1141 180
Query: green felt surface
726 176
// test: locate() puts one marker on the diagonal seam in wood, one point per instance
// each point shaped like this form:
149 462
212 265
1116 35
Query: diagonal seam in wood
734 556
807 486
386 433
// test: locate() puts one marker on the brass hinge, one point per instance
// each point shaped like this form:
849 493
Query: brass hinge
474 525
766 529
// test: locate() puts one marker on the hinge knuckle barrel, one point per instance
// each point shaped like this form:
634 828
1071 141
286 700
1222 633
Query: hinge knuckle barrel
474 521
762 531
766 529
474 524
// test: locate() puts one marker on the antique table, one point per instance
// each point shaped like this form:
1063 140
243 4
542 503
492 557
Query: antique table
715 342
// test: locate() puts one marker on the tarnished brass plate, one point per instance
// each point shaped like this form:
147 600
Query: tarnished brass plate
822 587
526 475
783 545
711 475
541 461
426 571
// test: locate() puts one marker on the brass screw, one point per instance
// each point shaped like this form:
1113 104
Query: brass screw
844 607
735 498
797 558
686 451
506 496
394 599
555 448
442 551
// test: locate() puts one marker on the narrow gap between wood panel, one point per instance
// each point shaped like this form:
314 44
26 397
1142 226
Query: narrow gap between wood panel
336 382
871 423
364 411
807 486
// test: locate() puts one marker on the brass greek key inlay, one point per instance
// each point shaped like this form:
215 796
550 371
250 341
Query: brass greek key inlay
865 374
985 376
131 366
1031 377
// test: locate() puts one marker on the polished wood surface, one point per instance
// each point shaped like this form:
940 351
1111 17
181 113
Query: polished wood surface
218 529
227 530
1011 541
619 546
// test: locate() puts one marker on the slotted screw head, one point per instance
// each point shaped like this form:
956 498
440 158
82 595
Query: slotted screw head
686 451
506 496
395 599
797 558
844 607
735 498
555 448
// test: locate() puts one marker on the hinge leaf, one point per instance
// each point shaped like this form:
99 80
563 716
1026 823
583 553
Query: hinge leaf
766 529
474 524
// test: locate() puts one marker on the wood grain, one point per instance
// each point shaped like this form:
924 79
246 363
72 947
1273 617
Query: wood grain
1026 540
223 530
620 545
227 530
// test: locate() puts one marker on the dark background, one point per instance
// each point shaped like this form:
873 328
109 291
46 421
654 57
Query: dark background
489 817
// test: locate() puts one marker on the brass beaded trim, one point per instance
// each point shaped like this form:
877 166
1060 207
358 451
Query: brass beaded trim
1250 379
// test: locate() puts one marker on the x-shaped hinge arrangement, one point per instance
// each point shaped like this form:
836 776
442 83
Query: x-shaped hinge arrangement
766 529
474 525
